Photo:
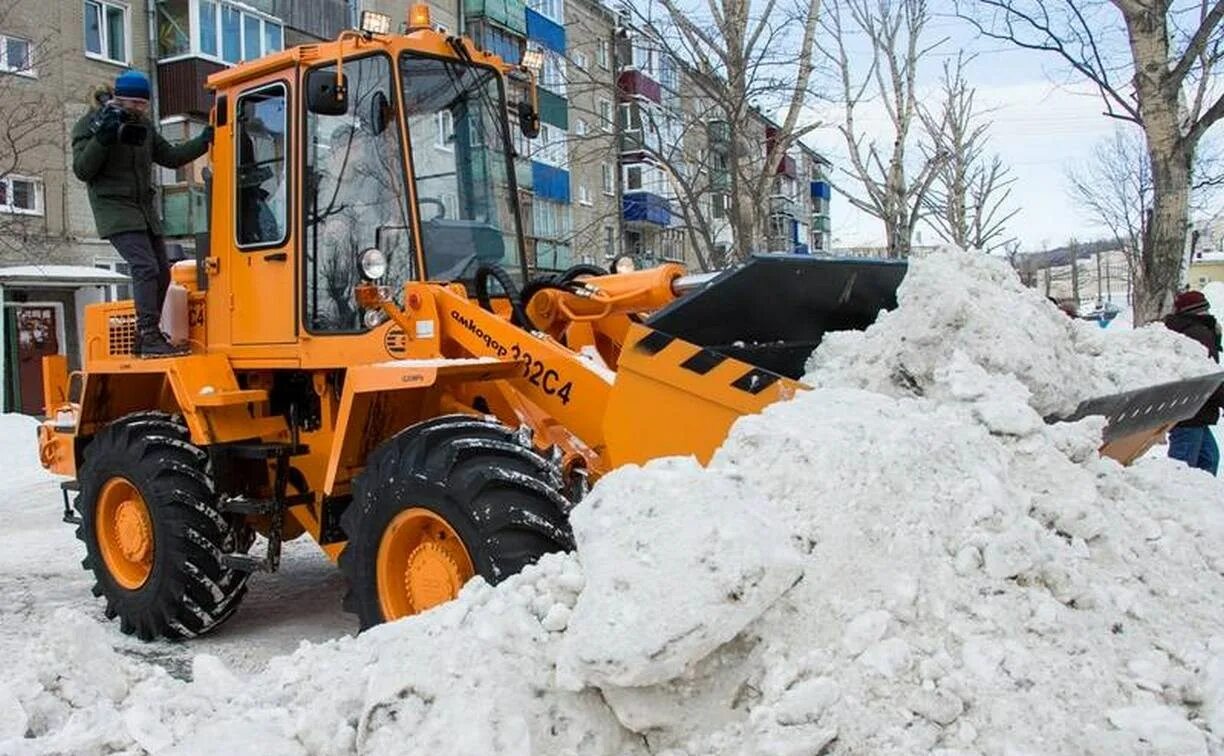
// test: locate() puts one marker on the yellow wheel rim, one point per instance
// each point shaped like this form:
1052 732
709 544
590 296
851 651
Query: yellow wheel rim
125 533
421 563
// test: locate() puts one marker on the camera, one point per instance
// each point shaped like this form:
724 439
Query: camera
130 130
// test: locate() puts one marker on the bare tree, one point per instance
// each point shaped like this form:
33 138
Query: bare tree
1164 83
895 29
970 201
29 128
1115 187
739 59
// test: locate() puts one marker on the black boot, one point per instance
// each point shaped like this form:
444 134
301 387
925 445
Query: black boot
151 344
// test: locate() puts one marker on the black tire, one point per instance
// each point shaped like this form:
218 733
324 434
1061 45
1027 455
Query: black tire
187 592
501 498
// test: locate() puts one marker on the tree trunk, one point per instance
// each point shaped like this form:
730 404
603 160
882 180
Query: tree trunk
1164 244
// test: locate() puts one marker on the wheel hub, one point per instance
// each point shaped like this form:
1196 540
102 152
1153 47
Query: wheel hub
432 577
132 531
124 530
421 563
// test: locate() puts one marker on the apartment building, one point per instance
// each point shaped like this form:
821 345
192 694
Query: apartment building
627 147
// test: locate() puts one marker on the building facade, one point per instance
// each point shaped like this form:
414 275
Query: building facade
628 161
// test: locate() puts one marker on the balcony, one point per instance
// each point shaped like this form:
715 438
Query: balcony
821 223
822 190
554 110
512 14
719 134
180 86
545 31
780 204
550 183
184 210
637 84
644 207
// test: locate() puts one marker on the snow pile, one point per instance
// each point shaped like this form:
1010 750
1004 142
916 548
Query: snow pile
922 567
19 450
975 303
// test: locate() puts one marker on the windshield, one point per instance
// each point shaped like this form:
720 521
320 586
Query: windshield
460 156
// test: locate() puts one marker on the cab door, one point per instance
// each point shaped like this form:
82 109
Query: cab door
263 264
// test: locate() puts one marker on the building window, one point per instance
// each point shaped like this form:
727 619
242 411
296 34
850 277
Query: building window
606 179
609 242
550 9
15 55
601 54
509 47
552 75
719 206
106 31
580 60
21 195
116 292
580 127
551 219
231 33
605 115
584 196
444 136
633 177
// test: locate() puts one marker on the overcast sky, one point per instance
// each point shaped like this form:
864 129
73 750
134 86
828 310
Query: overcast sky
1044 120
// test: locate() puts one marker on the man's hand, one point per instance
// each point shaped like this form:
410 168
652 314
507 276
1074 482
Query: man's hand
107 131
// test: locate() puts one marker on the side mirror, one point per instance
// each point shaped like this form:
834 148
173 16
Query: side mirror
529 120
325 95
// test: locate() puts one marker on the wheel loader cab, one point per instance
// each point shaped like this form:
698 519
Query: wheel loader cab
413 160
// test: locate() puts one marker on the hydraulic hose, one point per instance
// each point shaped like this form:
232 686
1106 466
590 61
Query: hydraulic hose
518 315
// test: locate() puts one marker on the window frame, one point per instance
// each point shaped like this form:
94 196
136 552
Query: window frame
112 264
602 59
30 72
286 88
196 38
607 180
607 121
102 57
36 185
445 127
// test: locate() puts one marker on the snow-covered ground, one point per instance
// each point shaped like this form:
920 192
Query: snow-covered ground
40 573
904 560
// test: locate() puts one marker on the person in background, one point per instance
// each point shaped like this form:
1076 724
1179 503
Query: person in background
1191 440
113 150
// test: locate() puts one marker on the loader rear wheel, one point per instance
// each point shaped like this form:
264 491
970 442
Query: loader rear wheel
440 503
153 535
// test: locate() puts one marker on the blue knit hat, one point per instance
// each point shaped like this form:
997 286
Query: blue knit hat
132 84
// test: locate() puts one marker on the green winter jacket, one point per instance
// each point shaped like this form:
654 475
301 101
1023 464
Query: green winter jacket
120 177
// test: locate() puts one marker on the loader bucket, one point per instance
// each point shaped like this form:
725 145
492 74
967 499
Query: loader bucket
772 311
733 347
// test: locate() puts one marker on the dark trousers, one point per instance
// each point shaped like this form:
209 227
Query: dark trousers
145 253
1194 445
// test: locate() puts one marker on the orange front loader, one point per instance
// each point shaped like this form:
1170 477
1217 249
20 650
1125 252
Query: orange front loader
372 365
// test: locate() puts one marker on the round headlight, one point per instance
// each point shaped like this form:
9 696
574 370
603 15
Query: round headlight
373 264
624 264
373 318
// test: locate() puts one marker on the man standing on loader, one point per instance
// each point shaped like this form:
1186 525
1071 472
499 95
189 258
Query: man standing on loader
113 151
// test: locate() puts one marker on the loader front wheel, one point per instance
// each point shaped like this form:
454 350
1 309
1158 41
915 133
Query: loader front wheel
153 535
440 503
